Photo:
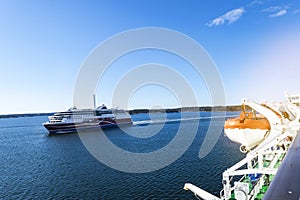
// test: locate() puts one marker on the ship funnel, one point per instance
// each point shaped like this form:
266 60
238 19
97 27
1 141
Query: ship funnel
94 100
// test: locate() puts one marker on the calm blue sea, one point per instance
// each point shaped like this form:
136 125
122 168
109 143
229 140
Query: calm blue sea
34 165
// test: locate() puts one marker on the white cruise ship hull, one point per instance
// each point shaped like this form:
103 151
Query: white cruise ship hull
74 119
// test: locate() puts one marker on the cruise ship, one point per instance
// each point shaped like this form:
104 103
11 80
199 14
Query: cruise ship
75 119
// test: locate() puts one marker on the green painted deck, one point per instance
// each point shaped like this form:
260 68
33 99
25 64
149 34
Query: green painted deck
266 185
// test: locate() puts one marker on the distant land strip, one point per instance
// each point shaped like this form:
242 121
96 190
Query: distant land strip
189 109
25 115
138 111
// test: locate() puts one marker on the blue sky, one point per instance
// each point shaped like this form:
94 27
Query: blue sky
255 45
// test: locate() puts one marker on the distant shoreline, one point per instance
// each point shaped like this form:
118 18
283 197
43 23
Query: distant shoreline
189 109
138 111
25 115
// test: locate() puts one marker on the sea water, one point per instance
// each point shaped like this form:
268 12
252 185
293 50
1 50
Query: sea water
34 165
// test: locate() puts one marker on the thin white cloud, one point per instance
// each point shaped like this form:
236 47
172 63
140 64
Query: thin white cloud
230 17
271 9
279 13
276 11
255 2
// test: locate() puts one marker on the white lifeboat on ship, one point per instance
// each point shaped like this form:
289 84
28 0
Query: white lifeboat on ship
250 128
